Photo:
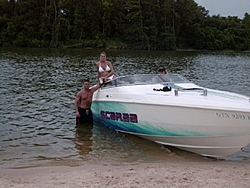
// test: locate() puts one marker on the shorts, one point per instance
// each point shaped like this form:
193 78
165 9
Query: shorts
86 116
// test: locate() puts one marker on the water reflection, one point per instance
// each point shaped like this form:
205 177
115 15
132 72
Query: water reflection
83 138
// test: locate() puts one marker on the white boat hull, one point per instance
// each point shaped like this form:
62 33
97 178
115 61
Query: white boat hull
184 128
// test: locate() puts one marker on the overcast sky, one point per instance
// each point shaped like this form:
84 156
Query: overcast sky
226 7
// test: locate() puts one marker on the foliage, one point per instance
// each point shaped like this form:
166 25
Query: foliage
138 24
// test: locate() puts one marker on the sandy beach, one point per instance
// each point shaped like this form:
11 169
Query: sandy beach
165 174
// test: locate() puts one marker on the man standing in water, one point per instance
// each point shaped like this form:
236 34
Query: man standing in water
83 103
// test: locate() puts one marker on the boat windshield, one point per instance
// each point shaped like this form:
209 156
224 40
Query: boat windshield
144 79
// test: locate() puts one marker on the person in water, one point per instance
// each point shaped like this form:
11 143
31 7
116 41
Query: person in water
104 68
162 70
83 102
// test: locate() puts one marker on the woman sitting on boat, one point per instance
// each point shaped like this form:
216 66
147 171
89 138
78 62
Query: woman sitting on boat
104 68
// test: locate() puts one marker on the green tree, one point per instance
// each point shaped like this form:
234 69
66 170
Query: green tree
143 24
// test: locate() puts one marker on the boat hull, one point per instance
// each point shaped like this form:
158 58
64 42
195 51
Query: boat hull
206 131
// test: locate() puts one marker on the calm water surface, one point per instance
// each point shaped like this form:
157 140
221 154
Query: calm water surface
38 86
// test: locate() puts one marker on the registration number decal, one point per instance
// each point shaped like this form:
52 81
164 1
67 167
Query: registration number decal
232 116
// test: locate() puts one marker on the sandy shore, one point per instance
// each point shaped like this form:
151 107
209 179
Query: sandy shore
167 174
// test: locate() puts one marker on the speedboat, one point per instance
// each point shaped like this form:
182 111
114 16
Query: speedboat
170 110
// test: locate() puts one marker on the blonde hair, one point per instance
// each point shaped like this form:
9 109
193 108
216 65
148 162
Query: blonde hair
104 53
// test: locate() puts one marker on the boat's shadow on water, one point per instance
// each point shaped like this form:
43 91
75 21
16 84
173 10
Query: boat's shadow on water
160 152
170 153
151 151
242 155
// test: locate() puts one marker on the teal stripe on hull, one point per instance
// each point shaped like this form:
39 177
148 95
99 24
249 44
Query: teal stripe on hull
139 128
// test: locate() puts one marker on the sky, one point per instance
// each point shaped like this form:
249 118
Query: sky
226 7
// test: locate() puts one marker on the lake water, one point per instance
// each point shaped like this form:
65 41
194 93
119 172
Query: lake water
38 86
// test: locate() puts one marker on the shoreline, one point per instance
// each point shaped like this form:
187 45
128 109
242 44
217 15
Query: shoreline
204 174
132 49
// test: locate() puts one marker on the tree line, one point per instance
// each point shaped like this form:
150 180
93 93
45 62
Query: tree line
137 24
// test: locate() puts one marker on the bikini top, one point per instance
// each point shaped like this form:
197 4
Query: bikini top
103 70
